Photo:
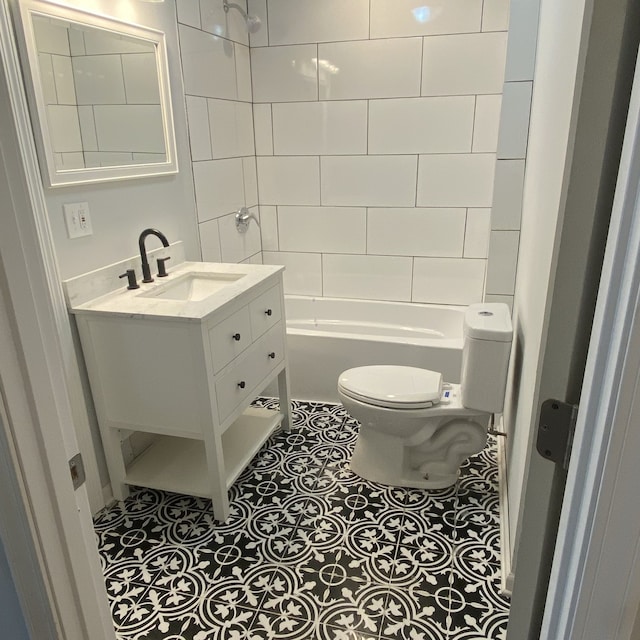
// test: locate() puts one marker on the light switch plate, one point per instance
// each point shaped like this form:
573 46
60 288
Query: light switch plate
78 220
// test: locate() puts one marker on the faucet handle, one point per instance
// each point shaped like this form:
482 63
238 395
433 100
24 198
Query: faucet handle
130 274
162 269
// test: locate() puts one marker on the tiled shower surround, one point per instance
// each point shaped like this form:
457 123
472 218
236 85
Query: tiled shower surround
310 551
374 140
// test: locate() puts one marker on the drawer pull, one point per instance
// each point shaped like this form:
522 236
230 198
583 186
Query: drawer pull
269 312
236 336
242 384
272 355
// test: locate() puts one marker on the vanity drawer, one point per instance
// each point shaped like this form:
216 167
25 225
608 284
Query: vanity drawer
230 338
235 384
265 311
250 368
270 351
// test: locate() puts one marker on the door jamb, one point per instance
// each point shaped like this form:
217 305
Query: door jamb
591 527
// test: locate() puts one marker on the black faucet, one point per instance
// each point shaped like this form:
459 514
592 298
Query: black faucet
146 271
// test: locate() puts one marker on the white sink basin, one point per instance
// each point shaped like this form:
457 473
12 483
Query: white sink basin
193 286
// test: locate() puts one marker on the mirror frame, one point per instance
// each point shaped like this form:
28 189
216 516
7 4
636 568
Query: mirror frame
52 176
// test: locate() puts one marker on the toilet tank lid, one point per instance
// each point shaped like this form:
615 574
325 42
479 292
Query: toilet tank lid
488 321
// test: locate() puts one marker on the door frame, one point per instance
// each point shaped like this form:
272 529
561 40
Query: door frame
595 576
50 543
59 518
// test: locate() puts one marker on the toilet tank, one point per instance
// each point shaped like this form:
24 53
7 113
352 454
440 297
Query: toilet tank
485 356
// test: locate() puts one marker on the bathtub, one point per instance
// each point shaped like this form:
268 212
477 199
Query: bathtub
325 336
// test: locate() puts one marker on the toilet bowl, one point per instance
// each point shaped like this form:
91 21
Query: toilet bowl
415 430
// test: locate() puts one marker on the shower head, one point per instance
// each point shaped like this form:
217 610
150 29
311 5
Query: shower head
253 22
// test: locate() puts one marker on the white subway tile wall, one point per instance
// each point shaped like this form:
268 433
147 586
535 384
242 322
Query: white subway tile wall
400 18
303 21
476 235
421 125
486 124
386 181
376 125
303 271
285 74
512 145
501 273
289 180
366 130
216 68
448 280
514 126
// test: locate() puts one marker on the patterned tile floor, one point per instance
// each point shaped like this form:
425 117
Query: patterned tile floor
310 552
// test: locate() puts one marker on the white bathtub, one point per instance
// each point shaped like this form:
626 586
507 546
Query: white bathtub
325 336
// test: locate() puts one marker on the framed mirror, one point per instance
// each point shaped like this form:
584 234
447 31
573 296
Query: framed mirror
100 96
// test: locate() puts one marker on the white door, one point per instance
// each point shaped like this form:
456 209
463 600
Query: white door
576 128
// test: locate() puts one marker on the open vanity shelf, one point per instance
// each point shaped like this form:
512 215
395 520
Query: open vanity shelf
180 464
186 371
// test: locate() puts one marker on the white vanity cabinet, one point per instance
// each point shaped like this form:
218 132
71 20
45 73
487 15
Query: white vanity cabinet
190 380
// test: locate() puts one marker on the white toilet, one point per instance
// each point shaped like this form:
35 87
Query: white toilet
415 430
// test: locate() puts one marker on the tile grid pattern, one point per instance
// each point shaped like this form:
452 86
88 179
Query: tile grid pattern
216 69
310 551
371 143
512 152
376 131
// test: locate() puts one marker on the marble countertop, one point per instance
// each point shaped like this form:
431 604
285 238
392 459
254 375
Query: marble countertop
139 303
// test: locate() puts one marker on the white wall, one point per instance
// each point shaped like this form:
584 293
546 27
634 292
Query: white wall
121 210
217 78
376 130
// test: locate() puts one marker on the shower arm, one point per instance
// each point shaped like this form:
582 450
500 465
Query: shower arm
232 5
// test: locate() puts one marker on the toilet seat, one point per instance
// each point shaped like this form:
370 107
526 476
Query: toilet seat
392 387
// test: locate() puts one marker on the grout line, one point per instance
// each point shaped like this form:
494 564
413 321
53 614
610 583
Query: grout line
417 178
422 65
464 233
273 136
124 84
266 9
404 96
368 124
209 129
317 73
209 33
366 231
372 155
413 270
369 39
473 122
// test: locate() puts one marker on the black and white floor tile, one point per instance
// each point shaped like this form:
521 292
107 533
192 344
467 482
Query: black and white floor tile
310 551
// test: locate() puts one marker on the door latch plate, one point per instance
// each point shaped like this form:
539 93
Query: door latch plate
76 467
555 430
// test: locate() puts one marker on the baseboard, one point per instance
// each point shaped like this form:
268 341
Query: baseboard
506 574
107 495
